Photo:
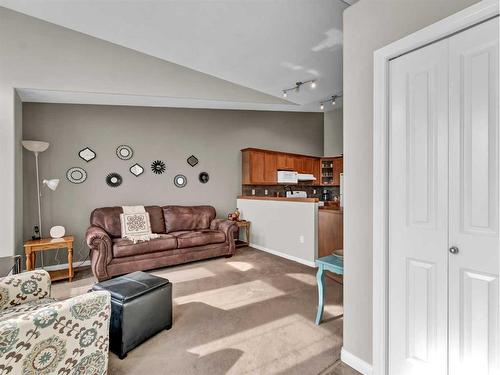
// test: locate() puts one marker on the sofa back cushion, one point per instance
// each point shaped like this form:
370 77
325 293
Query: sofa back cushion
108 218
187 217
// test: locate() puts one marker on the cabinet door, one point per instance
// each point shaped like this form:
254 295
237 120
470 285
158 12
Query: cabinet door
270 168
338 168
316 171
284 161
257 163
473 213
298 164
308 165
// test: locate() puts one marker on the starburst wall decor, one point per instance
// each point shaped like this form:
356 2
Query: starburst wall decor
158 167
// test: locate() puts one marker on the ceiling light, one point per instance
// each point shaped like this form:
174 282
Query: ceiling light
313 84
284 94
333 100
322 106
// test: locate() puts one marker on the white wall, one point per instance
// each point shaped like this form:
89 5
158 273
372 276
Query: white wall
277 227
334 132
39 55
368 26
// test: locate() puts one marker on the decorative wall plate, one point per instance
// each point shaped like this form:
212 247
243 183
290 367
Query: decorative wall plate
87 154
203 177
192 160
76 175
180 181
114 179
158 167
124 152
136 170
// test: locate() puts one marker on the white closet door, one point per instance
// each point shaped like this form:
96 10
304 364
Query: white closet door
474 173
418 211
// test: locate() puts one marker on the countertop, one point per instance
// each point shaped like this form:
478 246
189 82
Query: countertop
306 200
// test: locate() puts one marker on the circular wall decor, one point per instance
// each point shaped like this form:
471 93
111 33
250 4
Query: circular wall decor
158 167
203 177
76 175
124 152
136 170
114 179
180 180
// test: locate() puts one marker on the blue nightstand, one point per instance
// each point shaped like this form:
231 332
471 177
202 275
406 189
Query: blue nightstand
329 263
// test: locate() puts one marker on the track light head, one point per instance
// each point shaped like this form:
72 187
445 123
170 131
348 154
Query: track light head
334 99
285 94
322 106
313 84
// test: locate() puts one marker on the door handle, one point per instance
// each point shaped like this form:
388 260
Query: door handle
453 250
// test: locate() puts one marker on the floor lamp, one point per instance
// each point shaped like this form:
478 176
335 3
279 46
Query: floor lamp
36 147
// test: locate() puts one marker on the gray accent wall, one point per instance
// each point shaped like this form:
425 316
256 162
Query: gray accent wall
215 137
368 26
334 133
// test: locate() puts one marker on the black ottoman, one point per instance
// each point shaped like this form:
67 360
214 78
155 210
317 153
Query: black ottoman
141 306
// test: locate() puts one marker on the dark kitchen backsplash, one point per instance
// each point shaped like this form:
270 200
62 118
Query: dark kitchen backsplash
273 190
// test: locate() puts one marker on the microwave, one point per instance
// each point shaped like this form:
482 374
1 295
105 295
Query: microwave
288 177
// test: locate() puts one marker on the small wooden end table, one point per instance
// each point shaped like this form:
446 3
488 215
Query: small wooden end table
329 263
246 225
33 246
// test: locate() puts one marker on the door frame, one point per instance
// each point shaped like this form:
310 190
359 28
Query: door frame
457 22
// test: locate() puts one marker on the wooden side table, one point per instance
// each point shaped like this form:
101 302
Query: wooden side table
245 225
33 246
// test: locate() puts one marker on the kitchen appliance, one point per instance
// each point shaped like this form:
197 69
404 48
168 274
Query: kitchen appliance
306 177
287 177
296 194
326 196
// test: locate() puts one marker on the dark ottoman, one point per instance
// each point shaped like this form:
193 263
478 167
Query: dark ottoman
141 306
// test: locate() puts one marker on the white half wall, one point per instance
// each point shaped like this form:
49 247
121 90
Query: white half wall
286 229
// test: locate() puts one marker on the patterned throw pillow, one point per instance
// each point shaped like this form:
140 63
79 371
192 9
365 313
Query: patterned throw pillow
136 227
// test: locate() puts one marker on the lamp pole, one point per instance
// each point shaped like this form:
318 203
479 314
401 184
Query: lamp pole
38 195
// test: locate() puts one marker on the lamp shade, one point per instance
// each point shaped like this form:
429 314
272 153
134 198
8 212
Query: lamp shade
51 184
35 146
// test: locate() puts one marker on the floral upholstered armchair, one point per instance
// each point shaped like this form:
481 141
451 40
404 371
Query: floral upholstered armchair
40 335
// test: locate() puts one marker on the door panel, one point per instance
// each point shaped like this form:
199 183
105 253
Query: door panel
473 271
418 204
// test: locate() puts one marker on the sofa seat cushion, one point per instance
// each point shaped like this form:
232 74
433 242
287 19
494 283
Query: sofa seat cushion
124 248
200 238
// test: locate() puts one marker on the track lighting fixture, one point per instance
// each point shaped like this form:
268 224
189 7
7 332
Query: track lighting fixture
296 88
332 100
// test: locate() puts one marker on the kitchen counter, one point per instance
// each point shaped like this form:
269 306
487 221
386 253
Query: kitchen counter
307 200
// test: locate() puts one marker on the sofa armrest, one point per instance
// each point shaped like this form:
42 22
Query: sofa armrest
73 334
229 228
101 248
24 287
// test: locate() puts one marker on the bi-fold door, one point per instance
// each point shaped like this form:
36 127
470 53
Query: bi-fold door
443 207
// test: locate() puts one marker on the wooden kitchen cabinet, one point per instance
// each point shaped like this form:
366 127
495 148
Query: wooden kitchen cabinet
260 167
338 168
331 168
330 231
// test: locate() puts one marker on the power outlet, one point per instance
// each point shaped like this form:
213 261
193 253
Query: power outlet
265 192
314 191
253 191
301 239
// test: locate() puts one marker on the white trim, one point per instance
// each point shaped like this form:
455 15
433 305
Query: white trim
64 266
283 255
468 17
355 362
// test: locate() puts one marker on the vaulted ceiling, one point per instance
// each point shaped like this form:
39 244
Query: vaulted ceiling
260 44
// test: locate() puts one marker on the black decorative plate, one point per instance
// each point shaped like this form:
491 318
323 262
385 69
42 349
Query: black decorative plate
124 152
192 160
114 179
76 175
203 177
180 181
158 167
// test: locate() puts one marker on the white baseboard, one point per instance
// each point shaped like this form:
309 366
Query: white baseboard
355 362
283 255
63 266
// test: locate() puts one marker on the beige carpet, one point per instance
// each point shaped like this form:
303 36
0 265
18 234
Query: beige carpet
249 314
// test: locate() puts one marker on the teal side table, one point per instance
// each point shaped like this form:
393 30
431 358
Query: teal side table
329 263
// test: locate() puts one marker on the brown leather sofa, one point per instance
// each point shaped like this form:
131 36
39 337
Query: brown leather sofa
186 234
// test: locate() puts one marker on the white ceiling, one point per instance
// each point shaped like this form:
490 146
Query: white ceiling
265 45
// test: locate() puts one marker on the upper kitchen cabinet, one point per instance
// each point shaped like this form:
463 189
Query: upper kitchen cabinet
331 168
260 167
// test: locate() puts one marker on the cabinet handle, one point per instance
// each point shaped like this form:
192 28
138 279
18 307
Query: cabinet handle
454 250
